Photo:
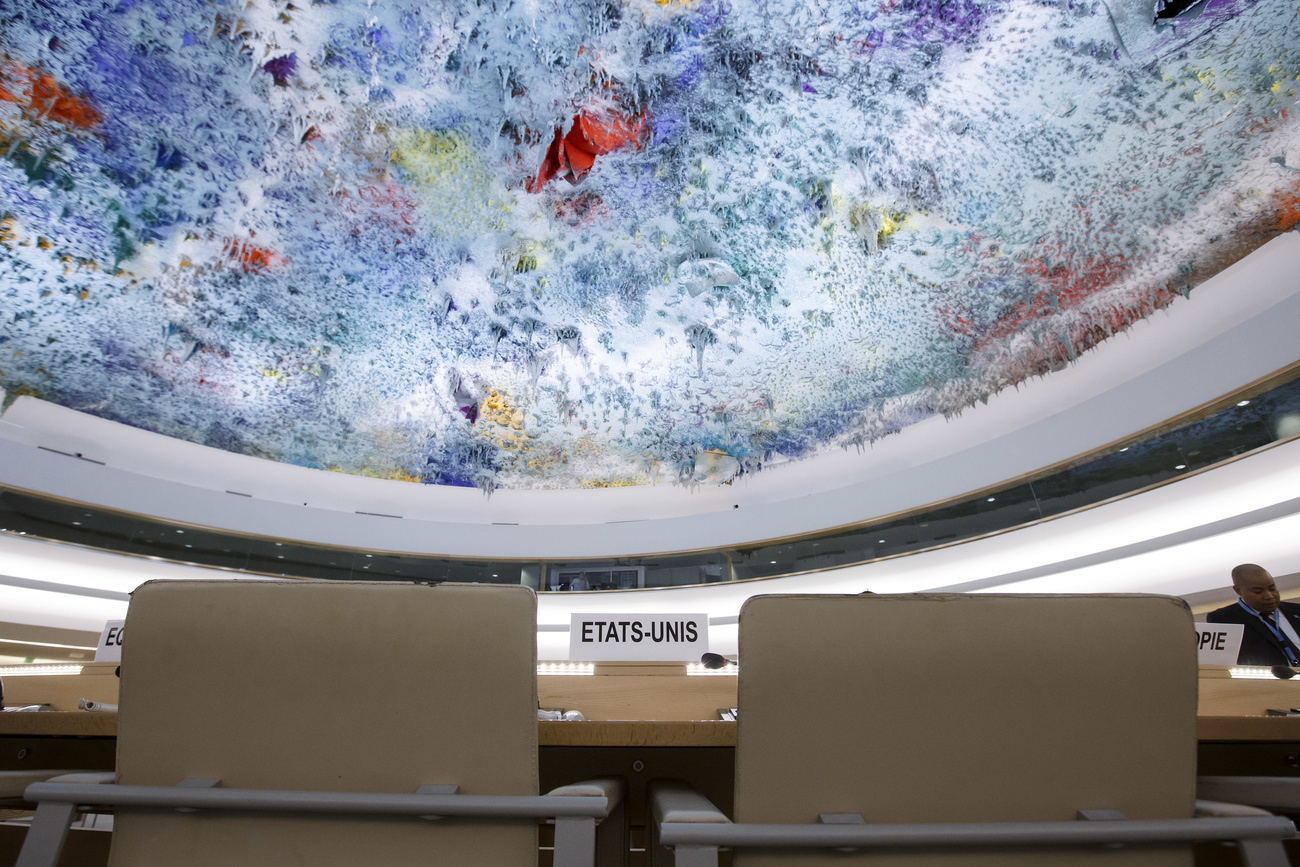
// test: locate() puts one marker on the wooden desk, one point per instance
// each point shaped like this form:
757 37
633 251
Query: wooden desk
597 733
637 733
715 733
634 733
701 752
1248 746
638 750
64 724
1235 738
638 691
74 740
1248 729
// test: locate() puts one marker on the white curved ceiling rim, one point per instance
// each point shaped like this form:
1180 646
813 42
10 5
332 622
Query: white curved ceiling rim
1236 328
1178 539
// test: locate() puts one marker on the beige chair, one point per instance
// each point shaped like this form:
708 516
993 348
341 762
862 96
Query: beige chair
327 723
927 730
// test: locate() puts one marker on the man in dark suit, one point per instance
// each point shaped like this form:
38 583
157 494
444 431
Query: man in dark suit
1272 634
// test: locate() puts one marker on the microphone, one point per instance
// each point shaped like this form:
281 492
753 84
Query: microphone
715 660
96 706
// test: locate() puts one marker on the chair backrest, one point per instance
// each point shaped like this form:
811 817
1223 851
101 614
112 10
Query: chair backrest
329 686
966 708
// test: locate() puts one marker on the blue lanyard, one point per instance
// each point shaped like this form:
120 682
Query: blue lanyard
1277 632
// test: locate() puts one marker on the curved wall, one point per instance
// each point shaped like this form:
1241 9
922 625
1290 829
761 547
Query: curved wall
1181 539
1235 328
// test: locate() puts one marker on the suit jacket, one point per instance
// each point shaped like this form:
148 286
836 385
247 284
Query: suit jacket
1258 645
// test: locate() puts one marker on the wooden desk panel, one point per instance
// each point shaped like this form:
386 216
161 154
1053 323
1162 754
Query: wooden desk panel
67 724
633 733
74 740
598 733
700 752
626 693
637 733
1261 729
1265 746
1227 697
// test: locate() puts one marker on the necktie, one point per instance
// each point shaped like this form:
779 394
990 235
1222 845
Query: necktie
1292 652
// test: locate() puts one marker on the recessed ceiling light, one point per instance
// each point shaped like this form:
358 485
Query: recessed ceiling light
180 531
76 523
1124 449
881 542
1243 403
991 499
773 562
1181 467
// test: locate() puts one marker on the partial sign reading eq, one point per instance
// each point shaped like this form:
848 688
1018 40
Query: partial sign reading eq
109 648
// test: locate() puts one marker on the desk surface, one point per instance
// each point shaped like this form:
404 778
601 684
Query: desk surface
636 733
617 733
60 724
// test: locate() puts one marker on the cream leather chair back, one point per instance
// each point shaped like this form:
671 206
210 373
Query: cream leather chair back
329 686
965 708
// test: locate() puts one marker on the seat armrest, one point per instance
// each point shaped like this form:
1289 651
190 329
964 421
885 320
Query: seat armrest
611 843
96 778
1282 793
1220 810
611 788
675 801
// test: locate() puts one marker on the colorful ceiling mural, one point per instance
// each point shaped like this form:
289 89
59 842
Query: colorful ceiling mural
584 243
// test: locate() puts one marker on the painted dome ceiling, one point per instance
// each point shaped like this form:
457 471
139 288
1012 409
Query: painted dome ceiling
524 244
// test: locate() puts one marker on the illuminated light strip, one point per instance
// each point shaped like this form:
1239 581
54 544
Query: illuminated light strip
697 669
1252 672
38 668
566 668
45 644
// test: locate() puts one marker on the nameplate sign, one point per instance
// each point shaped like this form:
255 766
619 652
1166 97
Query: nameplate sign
631 637
1218 643
110 642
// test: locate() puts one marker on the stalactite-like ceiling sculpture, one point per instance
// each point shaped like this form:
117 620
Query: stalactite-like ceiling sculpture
584 243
